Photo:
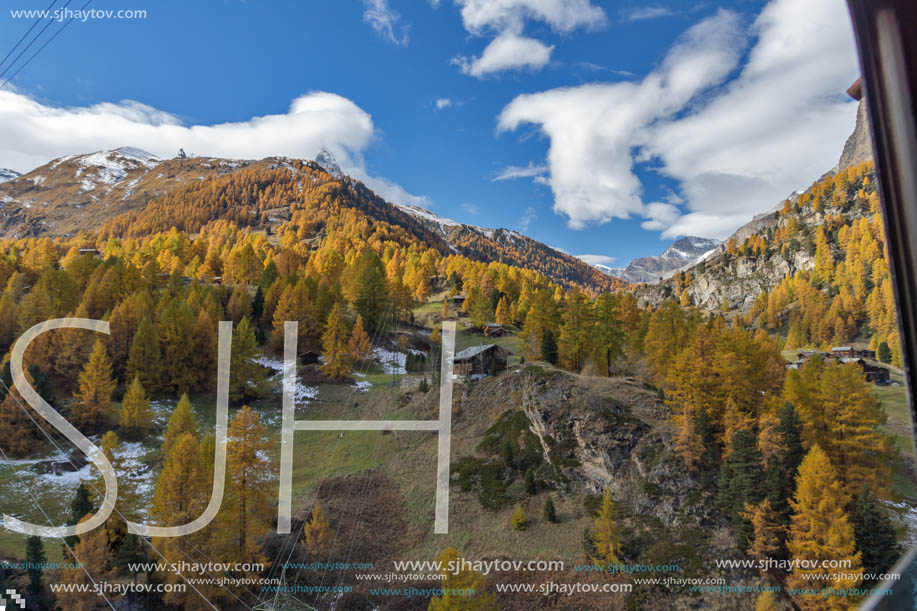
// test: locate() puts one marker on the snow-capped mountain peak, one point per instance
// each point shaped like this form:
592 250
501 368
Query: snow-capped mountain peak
6 174
681 253
328 163
110 167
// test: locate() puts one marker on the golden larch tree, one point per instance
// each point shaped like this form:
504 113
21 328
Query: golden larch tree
135 415
250 485
95 387
334 345
461 580
92 553
317 532
820 530
766 530
181 421
360 346
605 533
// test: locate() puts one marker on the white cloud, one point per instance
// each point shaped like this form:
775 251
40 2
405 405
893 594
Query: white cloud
734 152
443 103
775 129
506 52
512 172
660 216
646 12
593 128
32 133
505 21
385 21
480 16
527 219
596 259
470 208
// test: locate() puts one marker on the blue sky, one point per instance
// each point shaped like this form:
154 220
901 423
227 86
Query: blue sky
635 122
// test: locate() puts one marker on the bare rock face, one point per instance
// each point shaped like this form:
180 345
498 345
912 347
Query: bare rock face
611 433
858 147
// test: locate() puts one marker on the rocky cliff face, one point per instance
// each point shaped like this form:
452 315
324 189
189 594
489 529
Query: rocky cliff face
610 434
598 433
858 147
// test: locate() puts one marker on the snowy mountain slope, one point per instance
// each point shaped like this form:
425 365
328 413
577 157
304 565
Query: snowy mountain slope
682 253
6 174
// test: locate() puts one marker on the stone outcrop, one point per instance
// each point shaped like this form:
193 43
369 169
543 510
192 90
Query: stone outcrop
858 147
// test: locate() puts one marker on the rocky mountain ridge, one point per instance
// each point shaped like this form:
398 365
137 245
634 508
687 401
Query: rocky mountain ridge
683 252
734 282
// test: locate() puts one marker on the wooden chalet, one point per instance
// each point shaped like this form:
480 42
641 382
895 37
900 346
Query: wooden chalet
492 329
480 360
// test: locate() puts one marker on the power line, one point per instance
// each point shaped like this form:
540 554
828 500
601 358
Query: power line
48 518
29 31
115 509
28 46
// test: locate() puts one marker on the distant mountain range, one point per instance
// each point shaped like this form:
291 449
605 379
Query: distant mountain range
682 253
84 192
6 175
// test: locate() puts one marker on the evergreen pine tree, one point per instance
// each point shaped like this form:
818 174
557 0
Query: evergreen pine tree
373 300
884 353
508 455
791 429
80 505
875 534
740 482
35 557
548 347
549 512
530 486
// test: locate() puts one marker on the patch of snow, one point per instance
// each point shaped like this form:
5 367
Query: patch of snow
111 167
426 215
264 361
68 478
303 393
392 362
362 386
139 155
61 160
